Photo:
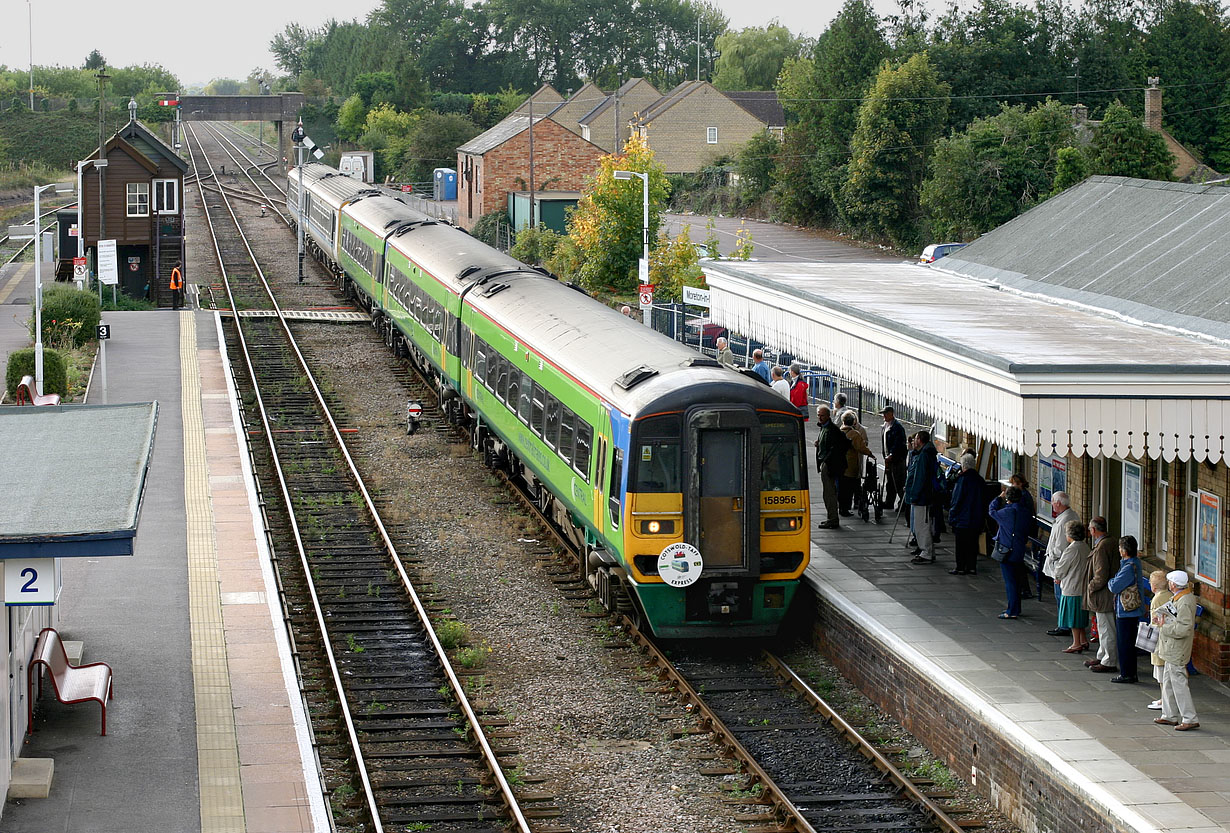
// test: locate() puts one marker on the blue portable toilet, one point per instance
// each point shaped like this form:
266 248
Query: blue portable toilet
445 181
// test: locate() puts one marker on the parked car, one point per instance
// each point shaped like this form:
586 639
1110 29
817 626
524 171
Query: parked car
701 332
938 250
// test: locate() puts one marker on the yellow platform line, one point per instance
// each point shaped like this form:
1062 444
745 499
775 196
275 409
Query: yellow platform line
18 275
217 747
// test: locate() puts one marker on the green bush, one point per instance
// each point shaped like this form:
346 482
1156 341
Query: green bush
21 363
68 314
492 228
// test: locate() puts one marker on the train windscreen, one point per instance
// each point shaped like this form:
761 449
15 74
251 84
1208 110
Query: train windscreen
658 454
780 458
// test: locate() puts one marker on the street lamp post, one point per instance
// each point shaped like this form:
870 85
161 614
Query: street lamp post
38 283
297 137
643 271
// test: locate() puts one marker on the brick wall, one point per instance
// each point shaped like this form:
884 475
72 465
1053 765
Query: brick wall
563 161
679 139
1029 791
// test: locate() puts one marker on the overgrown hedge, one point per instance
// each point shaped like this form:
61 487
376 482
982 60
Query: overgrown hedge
21 363
65 303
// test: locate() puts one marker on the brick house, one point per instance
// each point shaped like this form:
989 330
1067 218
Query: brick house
570 112
616 112
496 163
695 124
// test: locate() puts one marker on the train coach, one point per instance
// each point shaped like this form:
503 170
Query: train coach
682 483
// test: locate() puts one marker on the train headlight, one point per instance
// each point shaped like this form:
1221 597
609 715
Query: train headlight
657 527
654 526
787 524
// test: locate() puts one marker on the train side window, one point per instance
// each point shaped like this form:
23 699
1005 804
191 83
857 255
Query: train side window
567 431
525 401
617 473
514 388
501 385
551 429
600 474
581 451
537 409
493 365
480 360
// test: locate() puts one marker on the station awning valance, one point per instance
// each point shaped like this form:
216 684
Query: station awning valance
1027 373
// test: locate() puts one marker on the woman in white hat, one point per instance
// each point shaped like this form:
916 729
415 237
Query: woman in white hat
1177 619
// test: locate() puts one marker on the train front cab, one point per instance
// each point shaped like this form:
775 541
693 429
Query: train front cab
731 481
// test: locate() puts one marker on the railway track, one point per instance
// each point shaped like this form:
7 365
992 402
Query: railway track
6 243
799 772
400 744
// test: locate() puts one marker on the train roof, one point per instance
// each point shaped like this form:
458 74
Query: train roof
329 185
626 363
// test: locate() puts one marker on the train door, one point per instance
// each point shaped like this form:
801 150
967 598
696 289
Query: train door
723 507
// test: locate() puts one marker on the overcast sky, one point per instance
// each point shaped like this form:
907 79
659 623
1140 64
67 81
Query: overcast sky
229 38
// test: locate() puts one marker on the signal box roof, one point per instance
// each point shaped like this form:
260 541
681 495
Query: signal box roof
73 478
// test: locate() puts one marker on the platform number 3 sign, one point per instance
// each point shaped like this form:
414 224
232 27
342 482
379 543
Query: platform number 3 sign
29 581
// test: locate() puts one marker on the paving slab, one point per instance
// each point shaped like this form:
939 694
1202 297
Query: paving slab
1102 729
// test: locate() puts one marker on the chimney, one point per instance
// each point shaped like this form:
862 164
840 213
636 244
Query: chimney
1153 105
1080 114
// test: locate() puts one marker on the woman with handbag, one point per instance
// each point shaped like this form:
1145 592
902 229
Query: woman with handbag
1072 573
1131 607
1009 545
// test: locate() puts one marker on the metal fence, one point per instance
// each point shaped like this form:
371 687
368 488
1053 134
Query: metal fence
691 325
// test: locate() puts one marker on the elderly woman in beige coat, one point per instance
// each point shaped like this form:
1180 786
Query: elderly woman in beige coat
1072 570
858 448
1174 647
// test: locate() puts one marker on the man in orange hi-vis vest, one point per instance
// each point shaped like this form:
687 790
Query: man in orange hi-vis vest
177 285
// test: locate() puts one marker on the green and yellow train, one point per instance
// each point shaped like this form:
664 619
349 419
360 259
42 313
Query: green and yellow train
682 483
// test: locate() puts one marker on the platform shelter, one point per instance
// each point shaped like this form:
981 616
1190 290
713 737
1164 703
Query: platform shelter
71 487
1085 345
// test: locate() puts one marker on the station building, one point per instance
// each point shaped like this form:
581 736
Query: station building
141 209
1085 345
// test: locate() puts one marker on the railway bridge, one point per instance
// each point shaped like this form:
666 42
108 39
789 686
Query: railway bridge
280 108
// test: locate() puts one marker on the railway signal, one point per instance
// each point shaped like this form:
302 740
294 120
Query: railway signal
414 413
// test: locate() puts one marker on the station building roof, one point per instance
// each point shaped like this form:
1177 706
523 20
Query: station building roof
73 478
1029 373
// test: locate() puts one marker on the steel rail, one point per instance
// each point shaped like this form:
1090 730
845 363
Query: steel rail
851 734
493 764
30 242
271 202
347 717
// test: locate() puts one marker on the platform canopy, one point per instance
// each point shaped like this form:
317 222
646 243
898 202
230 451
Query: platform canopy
73 478
1028 374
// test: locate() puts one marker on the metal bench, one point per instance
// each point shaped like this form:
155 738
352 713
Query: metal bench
27 394
71 683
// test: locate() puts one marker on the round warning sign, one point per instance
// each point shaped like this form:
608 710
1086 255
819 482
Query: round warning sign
680 565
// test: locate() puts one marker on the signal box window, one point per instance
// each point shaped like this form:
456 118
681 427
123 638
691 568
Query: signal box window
138 199
656 451
166 197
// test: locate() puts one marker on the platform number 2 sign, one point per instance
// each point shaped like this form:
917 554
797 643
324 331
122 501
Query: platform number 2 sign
29 581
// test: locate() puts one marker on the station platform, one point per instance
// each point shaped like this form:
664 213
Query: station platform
1056 747
207 731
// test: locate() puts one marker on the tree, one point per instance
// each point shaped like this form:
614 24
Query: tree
1188 47
606 225
753 58
222 86
433 143
94 61
903 114
1123 146
756 163
1072 168
674 264
375 88
1002 165
535 246
289 48
351 118
821 96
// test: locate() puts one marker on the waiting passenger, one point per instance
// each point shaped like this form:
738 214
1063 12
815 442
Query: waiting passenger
1161 595
968 515
760 365
1071 570
856 435
724 354
798 389
1008 511
1174 645
1098 598
1055 546
779 383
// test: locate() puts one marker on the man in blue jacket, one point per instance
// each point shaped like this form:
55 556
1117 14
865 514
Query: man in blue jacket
920 494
